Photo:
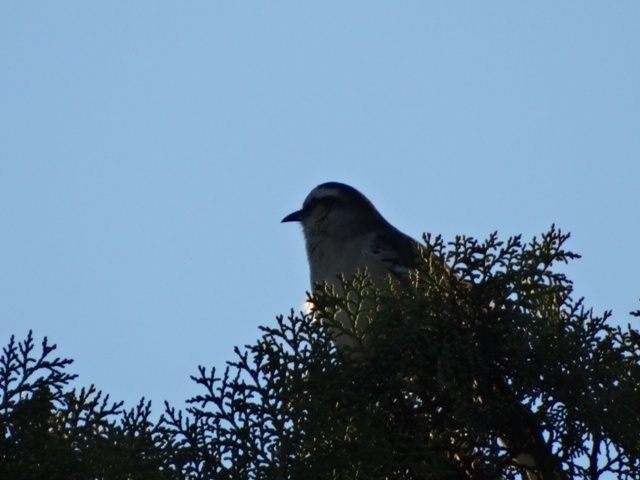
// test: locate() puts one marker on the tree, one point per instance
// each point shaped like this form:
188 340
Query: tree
480 366
467 372
50 432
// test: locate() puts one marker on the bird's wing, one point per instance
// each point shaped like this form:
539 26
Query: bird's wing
395 250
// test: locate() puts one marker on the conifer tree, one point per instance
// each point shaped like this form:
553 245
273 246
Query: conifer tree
482 365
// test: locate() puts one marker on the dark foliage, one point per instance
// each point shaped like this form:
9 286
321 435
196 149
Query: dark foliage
464 373
477 367
50 432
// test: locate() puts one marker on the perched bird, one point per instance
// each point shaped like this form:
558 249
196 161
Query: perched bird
344 233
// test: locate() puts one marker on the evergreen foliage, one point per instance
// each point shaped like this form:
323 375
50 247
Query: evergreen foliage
51 432
477 364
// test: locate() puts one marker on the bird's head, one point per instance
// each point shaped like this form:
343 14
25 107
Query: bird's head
336 210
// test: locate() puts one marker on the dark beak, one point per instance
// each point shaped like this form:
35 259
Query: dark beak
293 217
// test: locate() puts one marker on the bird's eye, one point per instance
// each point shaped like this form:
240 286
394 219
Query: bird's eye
311 204
330 202
326 202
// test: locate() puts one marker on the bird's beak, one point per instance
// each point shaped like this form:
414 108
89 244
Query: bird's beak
293 217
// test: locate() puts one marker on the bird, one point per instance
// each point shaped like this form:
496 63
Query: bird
344 233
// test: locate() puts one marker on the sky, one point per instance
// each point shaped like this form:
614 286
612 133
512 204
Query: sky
149 150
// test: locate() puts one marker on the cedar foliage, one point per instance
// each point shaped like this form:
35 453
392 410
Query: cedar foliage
49 431
481 356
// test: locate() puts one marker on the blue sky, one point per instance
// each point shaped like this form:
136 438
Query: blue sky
149 150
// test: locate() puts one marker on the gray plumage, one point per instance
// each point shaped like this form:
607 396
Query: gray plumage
344 233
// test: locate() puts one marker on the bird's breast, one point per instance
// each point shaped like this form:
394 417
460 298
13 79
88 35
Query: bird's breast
327 263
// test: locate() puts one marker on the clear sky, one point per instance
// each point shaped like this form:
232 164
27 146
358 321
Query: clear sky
149 150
